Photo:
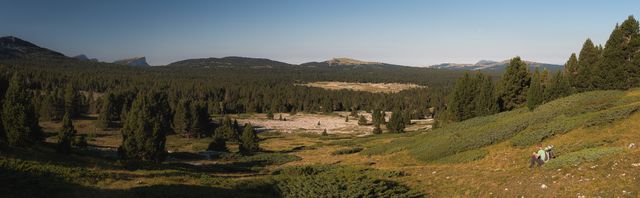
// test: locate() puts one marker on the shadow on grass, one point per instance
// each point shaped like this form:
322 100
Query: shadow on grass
21 184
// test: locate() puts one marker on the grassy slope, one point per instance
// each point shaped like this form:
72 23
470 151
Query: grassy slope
589 130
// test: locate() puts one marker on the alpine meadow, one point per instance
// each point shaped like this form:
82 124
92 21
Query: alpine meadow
354 99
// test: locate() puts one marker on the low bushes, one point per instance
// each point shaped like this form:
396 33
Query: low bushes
463 157
337 181
581 156
346 151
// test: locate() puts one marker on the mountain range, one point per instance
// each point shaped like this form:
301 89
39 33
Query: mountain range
488 65
13 47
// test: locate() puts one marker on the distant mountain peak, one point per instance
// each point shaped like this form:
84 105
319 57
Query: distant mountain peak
135 61
349 61
14 47
229 61
83 57
486 62
493 65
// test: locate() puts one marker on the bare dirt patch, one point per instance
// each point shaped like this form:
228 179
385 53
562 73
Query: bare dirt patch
368 87
334 123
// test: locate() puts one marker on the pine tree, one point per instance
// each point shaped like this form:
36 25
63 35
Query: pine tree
631 51
514 84
219 143
66 134
47 108
571 71
227 130
558 87
200 122
71 101
583 79
396 122
249 140
18 115
324 133
362 120
107 112
613 71
236 128
182 118
144 131
485 100
535 92
462 103
346 118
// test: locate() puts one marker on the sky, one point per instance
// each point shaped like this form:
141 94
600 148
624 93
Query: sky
411 32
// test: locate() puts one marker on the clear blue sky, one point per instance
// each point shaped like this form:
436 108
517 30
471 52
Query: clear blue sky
415 33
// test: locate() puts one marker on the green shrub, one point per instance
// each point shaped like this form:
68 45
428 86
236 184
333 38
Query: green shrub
337 181
347 151
51 171
581 156
467 156
261 158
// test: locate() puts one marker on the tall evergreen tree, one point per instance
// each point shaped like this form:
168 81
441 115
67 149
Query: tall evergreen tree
47 108
249 140
144 132
589 57
71 100
182 118
514 84
558 87
66 134
631 51
462 103
18 115
611 72
485 100
571 70
200 123
535 92
108 112
396 123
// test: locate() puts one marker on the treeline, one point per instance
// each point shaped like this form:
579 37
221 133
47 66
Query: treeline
614 66
225 90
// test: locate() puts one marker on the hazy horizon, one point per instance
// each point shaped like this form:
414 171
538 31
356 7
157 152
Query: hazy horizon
412 33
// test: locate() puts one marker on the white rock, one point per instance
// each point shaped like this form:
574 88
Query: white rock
632 145
635 164
543 186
